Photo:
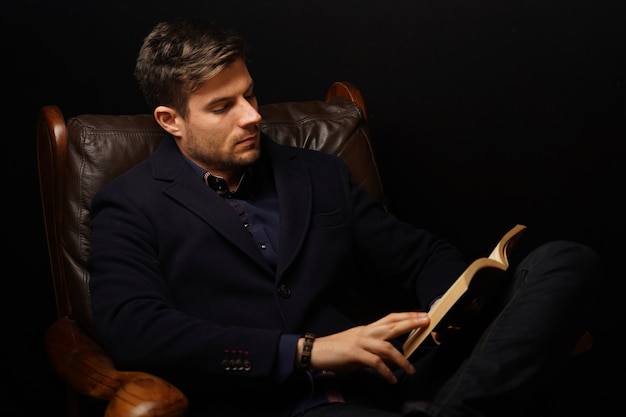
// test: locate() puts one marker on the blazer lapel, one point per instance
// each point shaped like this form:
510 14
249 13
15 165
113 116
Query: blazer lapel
293 184
185 186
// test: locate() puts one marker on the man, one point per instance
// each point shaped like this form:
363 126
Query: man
203 272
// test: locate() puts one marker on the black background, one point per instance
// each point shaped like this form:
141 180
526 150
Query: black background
483 113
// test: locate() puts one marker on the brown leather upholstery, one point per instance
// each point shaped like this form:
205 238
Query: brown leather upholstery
78 157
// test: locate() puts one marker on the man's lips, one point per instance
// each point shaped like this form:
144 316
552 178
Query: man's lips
249 140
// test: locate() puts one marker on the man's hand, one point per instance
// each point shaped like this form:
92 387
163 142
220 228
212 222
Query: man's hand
367 346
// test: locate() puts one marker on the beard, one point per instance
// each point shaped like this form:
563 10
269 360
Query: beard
214 156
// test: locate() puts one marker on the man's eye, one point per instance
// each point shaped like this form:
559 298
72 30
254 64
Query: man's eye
251 97
219 110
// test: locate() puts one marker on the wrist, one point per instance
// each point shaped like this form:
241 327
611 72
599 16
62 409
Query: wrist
307 348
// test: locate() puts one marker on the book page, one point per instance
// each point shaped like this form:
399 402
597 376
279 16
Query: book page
486 268
503 249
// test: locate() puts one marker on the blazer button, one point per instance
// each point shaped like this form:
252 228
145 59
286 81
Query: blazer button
284 291
227 364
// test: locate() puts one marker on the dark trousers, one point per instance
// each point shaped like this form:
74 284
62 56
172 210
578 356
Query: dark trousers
506 357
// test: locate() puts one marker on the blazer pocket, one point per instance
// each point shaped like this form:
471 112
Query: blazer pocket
329 219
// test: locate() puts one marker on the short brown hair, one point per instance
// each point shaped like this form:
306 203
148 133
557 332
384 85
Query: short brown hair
177 57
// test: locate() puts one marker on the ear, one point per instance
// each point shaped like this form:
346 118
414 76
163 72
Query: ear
168 118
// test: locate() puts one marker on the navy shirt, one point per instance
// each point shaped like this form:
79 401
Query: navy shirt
256 204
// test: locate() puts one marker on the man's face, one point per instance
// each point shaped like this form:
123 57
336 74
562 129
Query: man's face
221 130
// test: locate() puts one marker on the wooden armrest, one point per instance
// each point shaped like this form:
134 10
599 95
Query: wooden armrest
85 366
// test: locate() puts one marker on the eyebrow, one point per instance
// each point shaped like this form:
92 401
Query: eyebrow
218 100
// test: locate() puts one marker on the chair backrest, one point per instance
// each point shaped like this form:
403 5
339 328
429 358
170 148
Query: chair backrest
76 158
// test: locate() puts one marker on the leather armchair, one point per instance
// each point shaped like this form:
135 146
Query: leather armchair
77 156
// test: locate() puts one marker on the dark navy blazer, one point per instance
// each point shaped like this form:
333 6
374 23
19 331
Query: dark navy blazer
180 289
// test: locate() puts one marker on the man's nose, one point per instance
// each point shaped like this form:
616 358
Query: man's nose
250 113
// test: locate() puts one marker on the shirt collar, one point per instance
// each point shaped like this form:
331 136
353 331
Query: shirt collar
219 183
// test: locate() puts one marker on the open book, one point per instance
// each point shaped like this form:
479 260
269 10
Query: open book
467 293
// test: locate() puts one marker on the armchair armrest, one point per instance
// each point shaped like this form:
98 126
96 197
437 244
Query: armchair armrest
84 365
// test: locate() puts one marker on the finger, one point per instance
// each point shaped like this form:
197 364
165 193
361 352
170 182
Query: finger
387 356
376 363
392 356
397 324
401 316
